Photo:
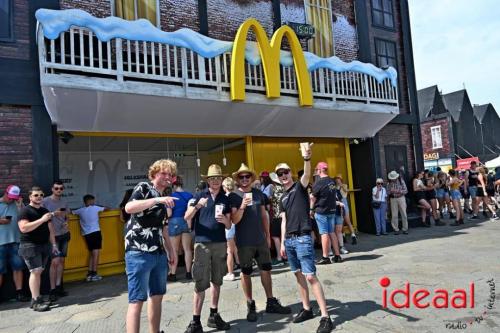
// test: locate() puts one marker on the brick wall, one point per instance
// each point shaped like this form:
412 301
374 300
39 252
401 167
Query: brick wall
425 129
98 8
395 134
179 14
16 161
20 47
345 35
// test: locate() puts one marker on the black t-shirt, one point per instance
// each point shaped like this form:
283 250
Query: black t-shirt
249 231
325 192
473 177
41 235
206 227
295 204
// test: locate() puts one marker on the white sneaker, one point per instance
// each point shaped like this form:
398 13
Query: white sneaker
96 277
228 277
343 250
88 278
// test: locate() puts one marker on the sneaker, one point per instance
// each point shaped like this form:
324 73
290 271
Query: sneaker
405 232
325 325
237 267
96 277
194 327
274 306
251 311
324 261
189 276
21 297
354 240
337 259
61 292
53 295
171 277
474 217
38 305
88 278
343 250
303 315
457 223
228 277
215 321
396 232
495 217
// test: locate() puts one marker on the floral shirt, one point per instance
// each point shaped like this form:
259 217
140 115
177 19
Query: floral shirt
138 238
275 200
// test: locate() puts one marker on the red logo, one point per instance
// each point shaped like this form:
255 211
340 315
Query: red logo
423 298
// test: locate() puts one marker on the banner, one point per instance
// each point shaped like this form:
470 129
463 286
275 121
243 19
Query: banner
464 164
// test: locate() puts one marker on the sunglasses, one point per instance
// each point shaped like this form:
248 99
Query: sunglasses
380 183
244 176
38 195
58 188
215 178
284 172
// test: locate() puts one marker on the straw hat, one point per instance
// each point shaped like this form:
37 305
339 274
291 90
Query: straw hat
283 166
393 175
244 169
214 170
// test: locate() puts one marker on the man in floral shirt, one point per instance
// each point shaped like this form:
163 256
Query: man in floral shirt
146 241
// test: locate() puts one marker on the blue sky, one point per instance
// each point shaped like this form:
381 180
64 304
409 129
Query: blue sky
457 42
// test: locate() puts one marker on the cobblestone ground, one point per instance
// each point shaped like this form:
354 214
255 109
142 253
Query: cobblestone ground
440 257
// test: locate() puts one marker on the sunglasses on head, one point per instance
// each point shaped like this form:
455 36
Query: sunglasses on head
36 195
284 172
244 176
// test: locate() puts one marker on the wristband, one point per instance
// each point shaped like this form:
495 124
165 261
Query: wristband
157 201
307 159
54 245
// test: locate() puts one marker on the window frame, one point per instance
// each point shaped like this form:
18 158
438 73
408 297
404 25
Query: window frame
377 55
383 12
10 38
307 8
158 23
435 143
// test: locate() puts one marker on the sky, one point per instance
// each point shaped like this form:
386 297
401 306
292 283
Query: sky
457 43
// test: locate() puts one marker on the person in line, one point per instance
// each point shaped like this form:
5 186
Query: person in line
397 191
91 231
482 195
344 192
11 203
253 240
59 207
209 212
454 183
275 220
490 191
232 251
178 229
443 194
379 204
266 184
470 186
419 193
297 243
147 245
37 235
430 195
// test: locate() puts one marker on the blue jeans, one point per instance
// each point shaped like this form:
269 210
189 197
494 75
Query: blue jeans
177 226
300 253
380 214
9 254
146 275
325 223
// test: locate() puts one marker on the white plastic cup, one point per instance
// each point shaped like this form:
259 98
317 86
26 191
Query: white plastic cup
219 209
304 146
249 195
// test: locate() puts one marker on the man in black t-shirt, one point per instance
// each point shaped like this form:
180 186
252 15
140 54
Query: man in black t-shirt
297 243
209 213
471 182
36 236
253 240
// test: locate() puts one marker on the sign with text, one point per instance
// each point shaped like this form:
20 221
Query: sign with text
431 156
302 29
464 164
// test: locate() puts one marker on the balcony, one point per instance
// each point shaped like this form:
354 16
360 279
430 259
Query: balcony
91 84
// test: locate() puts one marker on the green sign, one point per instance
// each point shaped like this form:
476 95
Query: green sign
302 29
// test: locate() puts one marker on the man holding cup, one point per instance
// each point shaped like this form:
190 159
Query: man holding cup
253 240
297 243
209 214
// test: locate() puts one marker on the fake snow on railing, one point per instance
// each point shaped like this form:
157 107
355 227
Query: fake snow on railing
54 22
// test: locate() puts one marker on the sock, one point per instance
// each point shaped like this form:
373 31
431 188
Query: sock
213 311
196 319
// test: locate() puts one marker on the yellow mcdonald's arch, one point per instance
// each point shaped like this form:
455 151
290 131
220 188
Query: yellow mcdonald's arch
270 55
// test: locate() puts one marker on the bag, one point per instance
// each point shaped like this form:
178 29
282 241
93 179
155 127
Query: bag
376 204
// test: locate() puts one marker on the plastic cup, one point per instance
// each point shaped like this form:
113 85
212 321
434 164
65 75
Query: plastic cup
249 195
219 209
304 146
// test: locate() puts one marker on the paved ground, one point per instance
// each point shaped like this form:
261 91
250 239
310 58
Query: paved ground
439 257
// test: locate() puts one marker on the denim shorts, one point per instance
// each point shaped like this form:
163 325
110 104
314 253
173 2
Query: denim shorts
346 206
441 193
35 255
177 226
62 242
325 223
339 220
473 191
146 275
9 255
231 232
455 195
300 253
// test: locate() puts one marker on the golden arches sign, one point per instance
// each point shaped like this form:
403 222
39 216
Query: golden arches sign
270 55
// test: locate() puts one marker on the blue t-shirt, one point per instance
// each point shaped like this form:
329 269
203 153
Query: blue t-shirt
206 227
181 205
9 233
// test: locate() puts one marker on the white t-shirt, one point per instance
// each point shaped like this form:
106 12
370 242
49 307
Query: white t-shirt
89 218
381 195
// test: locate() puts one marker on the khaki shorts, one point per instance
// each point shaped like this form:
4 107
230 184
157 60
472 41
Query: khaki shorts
261 254
209 265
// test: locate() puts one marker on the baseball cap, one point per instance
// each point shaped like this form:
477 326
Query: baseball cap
13 192
264 174
322 165
283 166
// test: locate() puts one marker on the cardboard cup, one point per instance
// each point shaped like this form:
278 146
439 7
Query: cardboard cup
219 209
304 146
249 195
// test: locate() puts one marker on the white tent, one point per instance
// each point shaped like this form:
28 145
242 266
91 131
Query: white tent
493 163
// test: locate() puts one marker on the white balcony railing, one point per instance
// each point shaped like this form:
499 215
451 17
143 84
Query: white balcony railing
79 52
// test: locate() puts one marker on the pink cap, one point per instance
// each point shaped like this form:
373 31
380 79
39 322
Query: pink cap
13 192
322 165
264 174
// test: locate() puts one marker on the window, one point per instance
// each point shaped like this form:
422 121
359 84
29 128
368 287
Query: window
436 137
319 15
6 20
386 53
382 13
136 9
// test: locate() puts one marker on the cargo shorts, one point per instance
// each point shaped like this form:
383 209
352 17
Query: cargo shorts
209 264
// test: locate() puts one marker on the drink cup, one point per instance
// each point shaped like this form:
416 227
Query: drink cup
219 209
249 195
304 146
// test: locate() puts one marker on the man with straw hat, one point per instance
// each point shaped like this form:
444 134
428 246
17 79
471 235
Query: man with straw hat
253 240
397 190
297 243
209 213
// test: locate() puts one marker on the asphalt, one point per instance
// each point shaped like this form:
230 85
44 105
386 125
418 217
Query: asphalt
447 258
